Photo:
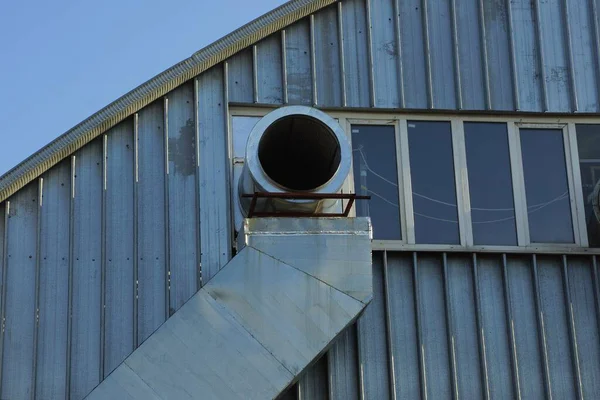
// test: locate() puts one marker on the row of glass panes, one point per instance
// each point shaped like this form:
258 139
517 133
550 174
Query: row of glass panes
540 153
514 184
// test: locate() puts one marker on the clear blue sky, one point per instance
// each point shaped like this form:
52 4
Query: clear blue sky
63 60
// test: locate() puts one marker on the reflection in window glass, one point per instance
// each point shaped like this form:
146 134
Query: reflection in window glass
240 130
432 173
588 142
376 175
490 184
546 186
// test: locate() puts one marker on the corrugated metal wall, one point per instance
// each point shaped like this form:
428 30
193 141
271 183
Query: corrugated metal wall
472 326
97 253
518 55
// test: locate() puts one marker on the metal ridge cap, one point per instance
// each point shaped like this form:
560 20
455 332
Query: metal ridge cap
109 116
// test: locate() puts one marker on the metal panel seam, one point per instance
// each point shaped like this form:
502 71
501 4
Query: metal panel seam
480 332
541 327
3 289
572 330
450 333
36 321
511 328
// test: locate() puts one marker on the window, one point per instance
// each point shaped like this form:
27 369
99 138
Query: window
490 184
588 143
546 186
433 186
376 174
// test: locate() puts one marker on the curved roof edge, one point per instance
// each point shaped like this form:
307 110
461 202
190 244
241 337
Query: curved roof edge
78 136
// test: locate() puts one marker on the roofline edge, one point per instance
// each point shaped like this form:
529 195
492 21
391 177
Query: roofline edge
128 104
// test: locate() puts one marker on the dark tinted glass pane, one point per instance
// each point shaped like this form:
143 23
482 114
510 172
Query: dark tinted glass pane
546 186
588 142
376 174
432 173
490 184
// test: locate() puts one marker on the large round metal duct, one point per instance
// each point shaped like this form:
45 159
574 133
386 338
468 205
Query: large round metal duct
295 149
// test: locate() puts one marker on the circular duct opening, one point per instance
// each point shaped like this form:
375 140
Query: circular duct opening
300 153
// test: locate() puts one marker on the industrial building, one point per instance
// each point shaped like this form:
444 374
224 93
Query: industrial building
474 127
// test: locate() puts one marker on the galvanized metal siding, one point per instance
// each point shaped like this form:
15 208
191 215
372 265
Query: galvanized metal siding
517 55
55 259
112 247
472 326
18 306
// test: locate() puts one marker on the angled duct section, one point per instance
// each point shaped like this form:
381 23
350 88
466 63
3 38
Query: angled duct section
293 287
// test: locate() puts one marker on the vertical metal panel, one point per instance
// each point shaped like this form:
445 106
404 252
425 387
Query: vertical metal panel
456 56
313 60
411 34
327 52
54 271
442 58
434 326
498 51
343 367
583 305
526 55
152 229
119 258
556 67
214 173
340 24
495 327
356 61
584 61
268 74
37 286
182 195
572 330
461 295
19 310
511 326
297 42
87 252
404 331
240 77
372 340
511 47
385 54
313 384
526 330
388 326
283 67
562 376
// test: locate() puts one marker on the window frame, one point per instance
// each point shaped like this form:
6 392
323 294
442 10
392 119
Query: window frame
513 123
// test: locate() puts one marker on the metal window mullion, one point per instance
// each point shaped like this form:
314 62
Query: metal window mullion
518 180
571 168
576 193
313 61
461 181
401 188
283 66
572 329
399 57
103 239
136 264
450 329
406 190
514 358
370 54
418 317
36 321
340 23
480 330
541 328
388 325
167 211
